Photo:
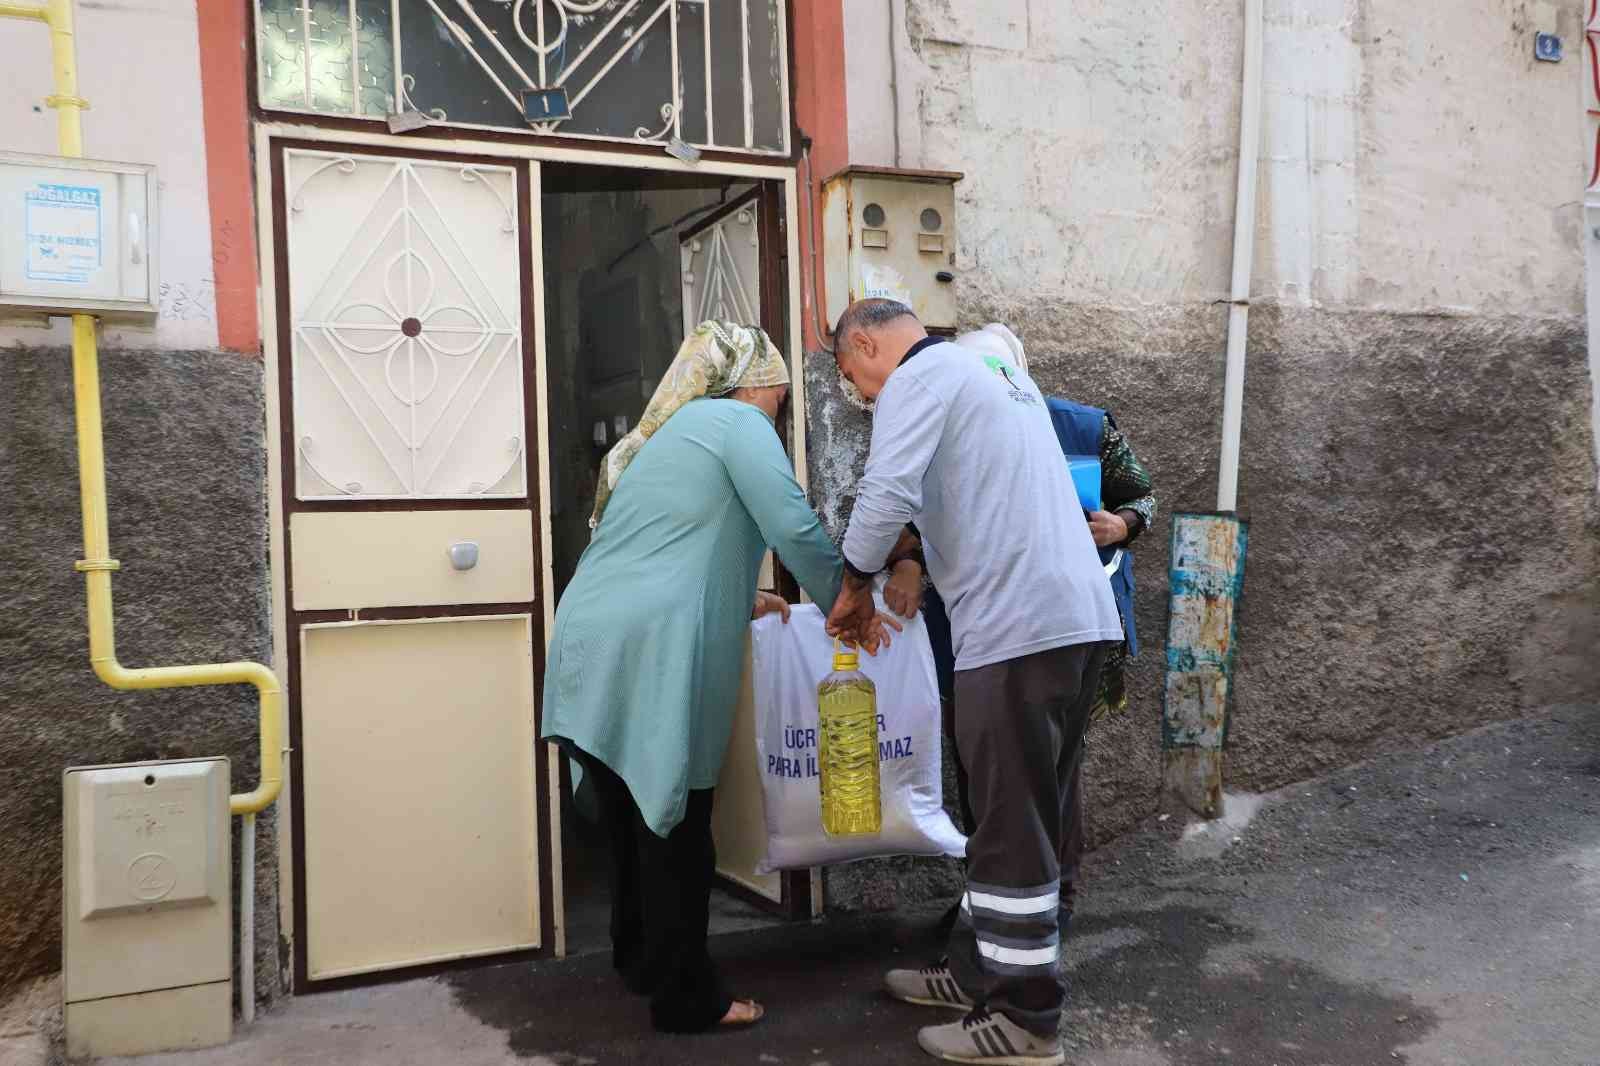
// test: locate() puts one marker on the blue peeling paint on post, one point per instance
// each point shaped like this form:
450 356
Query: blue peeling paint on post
1206 582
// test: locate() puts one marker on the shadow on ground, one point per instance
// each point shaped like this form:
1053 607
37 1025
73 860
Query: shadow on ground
1141 978
1153 978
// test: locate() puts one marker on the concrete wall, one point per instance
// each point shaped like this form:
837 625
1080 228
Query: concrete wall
187 474
145 110
1418 454
187 478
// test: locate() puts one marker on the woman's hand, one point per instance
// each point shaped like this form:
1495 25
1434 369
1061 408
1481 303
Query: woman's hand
770 603
903 593
876 634
1107 528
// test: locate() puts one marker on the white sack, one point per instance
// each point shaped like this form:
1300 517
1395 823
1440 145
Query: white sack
788 662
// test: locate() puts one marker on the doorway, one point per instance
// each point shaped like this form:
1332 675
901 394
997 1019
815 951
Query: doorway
632 261
455 341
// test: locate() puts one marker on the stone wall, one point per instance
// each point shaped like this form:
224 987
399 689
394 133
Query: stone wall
186 475
1425 539
1418 453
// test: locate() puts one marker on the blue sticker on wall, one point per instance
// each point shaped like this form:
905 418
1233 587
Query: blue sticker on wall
63 238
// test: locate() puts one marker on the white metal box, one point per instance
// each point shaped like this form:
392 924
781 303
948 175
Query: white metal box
147 917
891 233
77 235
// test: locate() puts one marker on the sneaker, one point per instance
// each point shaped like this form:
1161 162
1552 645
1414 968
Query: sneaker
931 986
990 1040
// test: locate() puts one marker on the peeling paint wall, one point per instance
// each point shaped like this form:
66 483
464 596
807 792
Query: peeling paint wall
1418 457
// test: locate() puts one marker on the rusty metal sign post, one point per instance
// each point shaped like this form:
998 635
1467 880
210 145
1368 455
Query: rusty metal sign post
1206 582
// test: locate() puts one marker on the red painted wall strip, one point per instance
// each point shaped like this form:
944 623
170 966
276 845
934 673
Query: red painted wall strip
821 111
224 88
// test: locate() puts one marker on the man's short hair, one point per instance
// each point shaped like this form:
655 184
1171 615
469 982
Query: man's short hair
868 314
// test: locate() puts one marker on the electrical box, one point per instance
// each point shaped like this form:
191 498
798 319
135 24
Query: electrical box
77 235
891 233
147 916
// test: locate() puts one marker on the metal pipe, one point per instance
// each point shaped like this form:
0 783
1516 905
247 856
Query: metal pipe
247 918
813 239
1244 237
97 567
97 564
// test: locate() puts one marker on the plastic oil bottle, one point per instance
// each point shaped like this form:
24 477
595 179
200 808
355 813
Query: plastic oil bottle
847 716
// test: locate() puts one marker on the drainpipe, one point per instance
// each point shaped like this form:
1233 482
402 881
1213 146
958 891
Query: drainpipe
97 565
1244 241
1208 550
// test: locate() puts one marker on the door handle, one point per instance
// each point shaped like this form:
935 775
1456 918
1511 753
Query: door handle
464 554
135 240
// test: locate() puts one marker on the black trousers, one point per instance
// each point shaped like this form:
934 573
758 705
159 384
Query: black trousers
1071 834
1020 727
661 906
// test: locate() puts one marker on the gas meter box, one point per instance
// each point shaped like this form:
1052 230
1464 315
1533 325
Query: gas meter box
77 235
891 233
147 917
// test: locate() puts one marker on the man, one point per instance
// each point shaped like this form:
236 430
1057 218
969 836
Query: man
1128 508
966 450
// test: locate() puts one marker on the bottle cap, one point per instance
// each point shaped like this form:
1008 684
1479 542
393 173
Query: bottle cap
845 657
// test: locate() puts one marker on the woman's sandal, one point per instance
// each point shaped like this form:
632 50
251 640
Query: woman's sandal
742 1012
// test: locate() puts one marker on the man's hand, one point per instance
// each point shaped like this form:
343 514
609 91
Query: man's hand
852 612
770 603
903 593
1107 528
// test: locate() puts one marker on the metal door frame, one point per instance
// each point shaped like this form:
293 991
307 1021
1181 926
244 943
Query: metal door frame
270 138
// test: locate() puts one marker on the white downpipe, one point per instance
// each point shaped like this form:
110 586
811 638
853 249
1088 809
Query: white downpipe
1244 239
247 918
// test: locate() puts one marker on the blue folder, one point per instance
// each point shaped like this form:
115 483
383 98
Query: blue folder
1086 477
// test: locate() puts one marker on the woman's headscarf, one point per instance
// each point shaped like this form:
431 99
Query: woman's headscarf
717 358
997 341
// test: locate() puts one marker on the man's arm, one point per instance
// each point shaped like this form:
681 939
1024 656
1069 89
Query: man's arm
905 433
906 428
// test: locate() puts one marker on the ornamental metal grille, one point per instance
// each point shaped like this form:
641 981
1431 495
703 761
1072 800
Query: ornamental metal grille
708 73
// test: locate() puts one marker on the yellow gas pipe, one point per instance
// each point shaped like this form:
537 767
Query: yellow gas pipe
98 565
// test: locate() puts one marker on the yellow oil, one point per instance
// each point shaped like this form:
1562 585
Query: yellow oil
847 713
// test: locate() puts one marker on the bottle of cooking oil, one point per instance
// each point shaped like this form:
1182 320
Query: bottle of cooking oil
847 713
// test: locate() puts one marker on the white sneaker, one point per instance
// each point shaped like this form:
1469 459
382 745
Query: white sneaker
987 1039
931 986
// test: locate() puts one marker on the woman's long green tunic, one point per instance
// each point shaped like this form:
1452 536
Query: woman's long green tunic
644 665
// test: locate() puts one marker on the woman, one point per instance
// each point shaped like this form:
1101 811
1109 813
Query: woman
644 663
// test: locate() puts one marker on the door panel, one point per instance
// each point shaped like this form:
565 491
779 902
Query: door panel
413 716
722 266
738 813
418 789
362 559
406 348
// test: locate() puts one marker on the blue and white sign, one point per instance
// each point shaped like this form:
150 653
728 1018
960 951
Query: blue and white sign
1547 48
64 234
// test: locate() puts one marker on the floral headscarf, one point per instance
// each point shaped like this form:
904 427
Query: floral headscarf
997 341
717 358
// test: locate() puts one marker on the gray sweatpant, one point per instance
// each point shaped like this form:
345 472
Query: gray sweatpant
1019 727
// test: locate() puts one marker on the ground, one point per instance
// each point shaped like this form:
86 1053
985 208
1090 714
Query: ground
1430 907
